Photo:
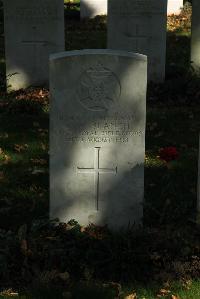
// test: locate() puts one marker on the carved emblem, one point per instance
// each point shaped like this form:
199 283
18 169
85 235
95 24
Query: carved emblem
99 88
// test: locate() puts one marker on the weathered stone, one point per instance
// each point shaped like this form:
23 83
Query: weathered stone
140 26
98 111
33 31
92 8
195 40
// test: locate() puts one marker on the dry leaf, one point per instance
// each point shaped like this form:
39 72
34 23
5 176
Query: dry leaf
163 293
20 147
6 159
131 296
37 171
43 146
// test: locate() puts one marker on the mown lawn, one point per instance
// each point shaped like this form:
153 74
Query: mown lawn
163 259
170 189
189 290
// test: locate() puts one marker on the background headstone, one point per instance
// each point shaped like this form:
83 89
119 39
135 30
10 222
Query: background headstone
92 8
195 39
174 7
140 26
33 31
98 112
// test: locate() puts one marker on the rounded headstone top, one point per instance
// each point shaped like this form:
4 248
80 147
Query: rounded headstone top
120 53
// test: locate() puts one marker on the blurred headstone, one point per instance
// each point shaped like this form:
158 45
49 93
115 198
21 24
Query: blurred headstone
174 7
92 8
195 38
33 31
140 26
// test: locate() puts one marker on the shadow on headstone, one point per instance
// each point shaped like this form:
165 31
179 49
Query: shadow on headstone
98 111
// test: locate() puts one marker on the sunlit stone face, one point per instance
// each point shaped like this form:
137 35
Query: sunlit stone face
140 26
195 39
33 31
98 110
92 8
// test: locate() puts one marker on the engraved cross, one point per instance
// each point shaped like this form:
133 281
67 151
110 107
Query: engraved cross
35 42
96 171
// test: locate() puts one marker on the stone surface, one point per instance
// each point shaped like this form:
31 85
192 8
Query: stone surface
140 26
98 111
92 8
33 31
195 39
174 7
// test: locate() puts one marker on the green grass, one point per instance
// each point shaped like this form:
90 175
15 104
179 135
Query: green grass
170 189
190 291
24 166
176 289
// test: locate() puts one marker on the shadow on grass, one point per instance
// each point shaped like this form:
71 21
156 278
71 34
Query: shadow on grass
157 252
177 56
24 183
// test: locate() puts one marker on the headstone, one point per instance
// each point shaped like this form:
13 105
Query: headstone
140 26
195 39
33 31
98 111
92 8
174 7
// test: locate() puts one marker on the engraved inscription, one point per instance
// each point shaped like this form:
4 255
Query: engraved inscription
33 14
116 129
136 6
99 88
96 171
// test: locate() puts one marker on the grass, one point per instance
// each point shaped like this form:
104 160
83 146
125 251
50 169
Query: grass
170 189
24 166
189 290
24 145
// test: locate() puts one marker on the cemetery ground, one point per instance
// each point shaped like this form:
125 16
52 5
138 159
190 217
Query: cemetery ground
160 260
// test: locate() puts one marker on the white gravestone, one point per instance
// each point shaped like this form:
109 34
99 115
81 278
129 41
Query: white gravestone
97 139
195 39
140 26
92 8
174 7
33 31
